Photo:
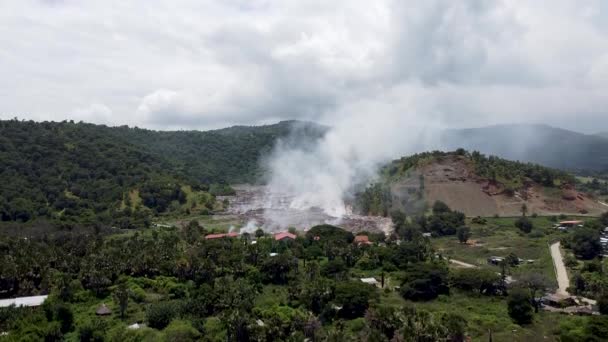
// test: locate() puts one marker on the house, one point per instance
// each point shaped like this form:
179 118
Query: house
570 224
284 236
362 240
31 301
494 260
219 236
558 301
370 281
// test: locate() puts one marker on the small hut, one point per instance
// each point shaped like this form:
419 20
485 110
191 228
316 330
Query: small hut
103 310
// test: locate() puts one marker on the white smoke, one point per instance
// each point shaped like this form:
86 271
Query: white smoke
250 227
363 135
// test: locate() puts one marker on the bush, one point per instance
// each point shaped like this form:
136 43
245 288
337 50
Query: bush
520 307
159 315
524 224
585 243
179 330
602 304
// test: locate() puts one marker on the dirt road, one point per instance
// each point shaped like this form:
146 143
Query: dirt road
463 264
560 270
602 203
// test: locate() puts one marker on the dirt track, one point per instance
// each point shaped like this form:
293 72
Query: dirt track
560 270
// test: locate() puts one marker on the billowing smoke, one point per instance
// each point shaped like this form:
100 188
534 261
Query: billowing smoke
361 137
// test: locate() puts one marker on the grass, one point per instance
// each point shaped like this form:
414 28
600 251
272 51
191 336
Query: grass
499 237
485 314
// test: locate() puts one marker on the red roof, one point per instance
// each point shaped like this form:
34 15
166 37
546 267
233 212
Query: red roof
571 222
219 236
284 235
362 239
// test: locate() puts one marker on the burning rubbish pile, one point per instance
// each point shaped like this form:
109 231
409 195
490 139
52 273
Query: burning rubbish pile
271 211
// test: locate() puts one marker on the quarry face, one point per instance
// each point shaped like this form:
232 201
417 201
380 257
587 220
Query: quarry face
259 207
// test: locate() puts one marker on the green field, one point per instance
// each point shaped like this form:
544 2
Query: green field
499 237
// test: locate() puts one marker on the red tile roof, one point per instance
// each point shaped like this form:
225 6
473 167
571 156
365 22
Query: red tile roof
284 235
219 236
362 239
571 222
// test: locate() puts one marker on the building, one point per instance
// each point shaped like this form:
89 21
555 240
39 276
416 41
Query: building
495 260
31 301
284 236
570 224
370 281
219 236
362 240
103 310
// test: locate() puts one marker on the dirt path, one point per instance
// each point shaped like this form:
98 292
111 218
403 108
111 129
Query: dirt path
560 270
463 264
602 203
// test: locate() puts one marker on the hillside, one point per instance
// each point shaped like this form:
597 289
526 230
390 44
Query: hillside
602 134
78 172
476 185
226 155
541 144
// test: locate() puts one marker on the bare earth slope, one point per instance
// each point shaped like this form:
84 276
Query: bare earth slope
452 180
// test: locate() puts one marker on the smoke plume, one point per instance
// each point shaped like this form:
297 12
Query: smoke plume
362 136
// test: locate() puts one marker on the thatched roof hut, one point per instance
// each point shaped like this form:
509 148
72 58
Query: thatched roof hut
103 310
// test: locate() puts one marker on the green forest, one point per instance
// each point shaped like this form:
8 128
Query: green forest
179 286
85 173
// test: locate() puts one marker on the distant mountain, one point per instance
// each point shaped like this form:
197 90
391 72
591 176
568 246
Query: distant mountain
545 145
602 134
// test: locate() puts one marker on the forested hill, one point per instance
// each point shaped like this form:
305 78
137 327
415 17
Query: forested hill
76 172
91 173
229 155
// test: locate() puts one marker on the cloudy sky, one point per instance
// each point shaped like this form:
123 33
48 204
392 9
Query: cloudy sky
200 64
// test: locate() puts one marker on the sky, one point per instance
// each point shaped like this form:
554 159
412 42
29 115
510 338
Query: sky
198 64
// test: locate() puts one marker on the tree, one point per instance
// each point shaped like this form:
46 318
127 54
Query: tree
602 304
259 233
179 330
440 208
464 233
585 243
121 297
524 210
455 325
159 315
425 282
524 224
354 297
604 219
536 284
483 281
519 307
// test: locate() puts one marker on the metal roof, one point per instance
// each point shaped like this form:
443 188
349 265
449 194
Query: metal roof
23 301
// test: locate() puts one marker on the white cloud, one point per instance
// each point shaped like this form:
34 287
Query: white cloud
96 112
201 64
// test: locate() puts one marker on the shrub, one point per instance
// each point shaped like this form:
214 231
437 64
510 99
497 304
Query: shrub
524 224
159 315
519 307
179 330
